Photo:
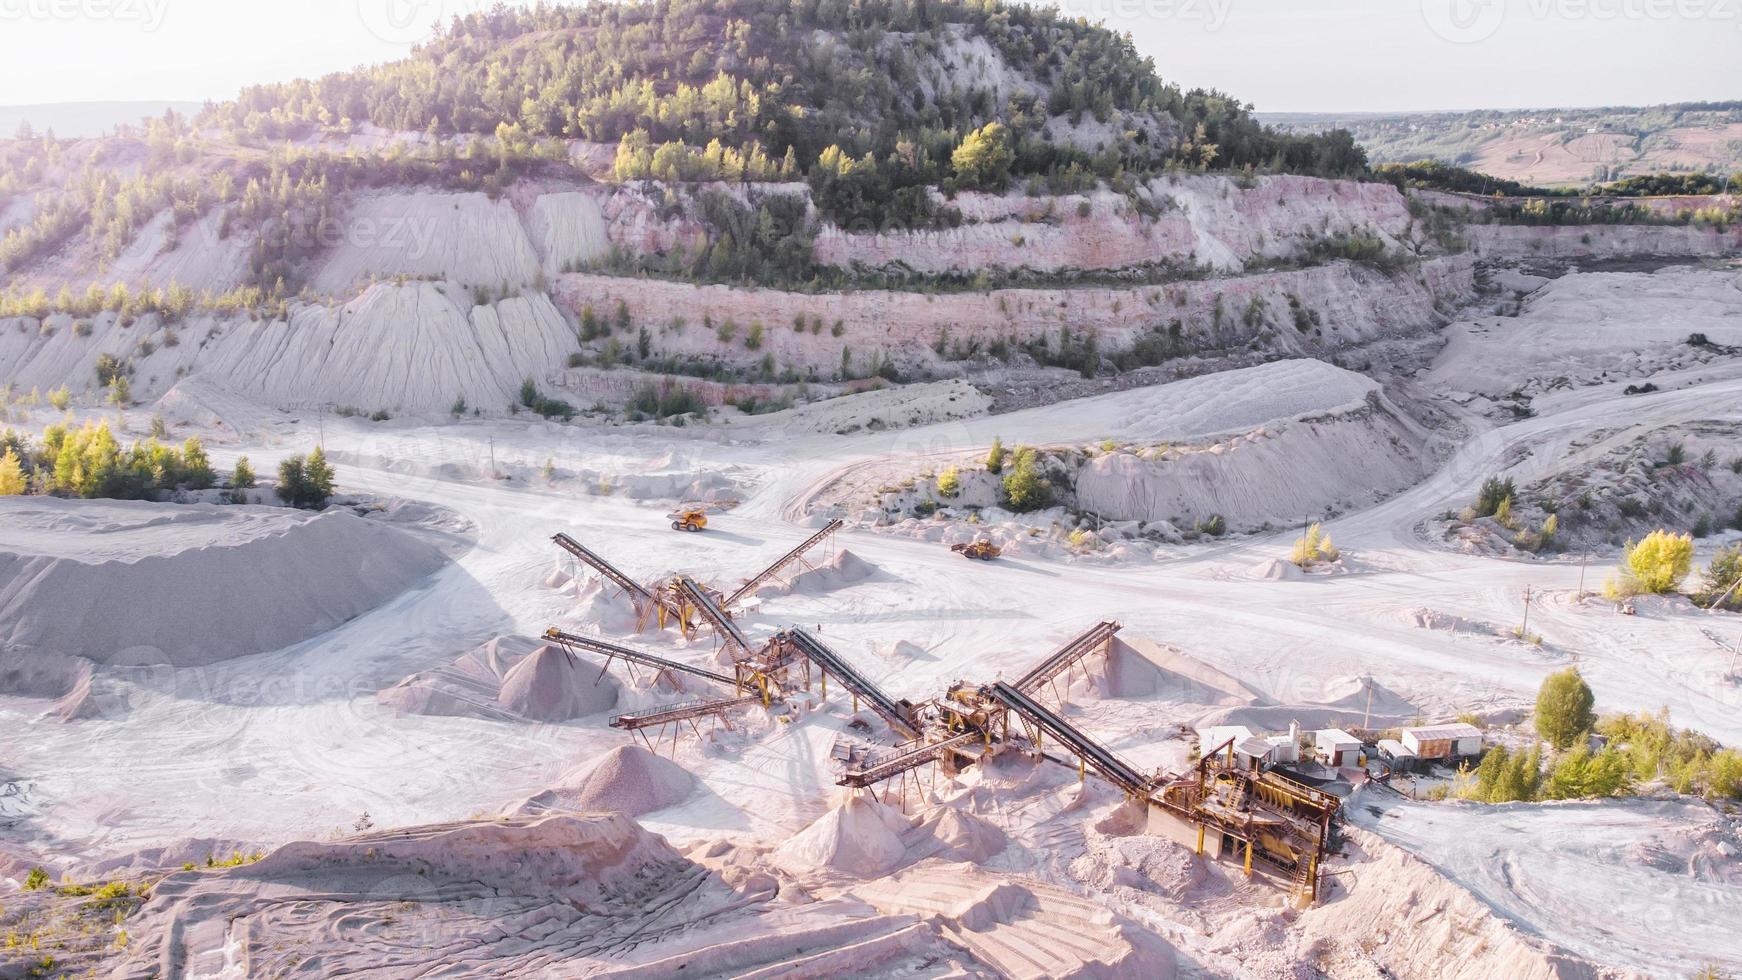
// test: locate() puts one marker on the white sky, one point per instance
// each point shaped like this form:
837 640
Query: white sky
1282 55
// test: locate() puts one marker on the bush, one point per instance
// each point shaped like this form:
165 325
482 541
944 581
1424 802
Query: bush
1495 491
36 880
1583 774
243 478
949 482
1504 777
1660 562
995 457
1564 708
1314 546
1026 488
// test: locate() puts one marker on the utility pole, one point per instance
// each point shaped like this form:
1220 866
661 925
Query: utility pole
1524 631
1582 563
492 457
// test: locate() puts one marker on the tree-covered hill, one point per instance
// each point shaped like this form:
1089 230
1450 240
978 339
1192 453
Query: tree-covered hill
780 82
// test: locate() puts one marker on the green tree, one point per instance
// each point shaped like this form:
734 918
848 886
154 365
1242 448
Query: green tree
1025 488
1719 581
995 457
196 468
1494 490
1564 708
11 475
318 477
243 478
292 484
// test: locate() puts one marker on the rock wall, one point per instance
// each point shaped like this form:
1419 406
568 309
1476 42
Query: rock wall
1202 220
1353 304
1524 242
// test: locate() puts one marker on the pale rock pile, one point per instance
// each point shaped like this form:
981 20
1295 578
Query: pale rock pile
629 780
507 678
861 837
131 582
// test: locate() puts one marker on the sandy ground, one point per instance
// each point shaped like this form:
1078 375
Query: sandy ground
293 744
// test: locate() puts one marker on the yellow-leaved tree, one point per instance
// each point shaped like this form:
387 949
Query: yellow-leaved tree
1654 565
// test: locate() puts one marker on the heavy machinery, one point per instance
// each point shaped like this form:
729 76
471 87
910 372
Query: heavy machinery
688 519
981 550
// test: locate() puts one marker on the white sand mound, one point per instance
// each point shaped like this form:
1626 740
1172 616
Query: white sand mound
603 605
143 583
1342 701
838 572
550 684
964 836
861 837
628 780
1141 668
508 678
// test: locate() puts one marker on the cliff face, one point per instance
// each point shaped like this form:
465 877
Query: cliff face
418 298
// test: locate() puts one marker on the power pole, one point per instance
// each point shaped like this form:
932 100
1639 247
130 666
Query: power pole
1582 563
1524 631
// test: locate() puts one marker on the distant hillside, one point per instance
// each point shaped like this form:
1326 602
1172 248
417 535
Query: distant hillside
1548 147
84 119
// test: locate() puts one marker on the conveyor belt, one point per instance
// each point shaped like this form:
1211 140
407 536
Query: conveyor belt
886 707
602 566
679 712
1062 659
711 611
1068 735
898 763
767 573
572 640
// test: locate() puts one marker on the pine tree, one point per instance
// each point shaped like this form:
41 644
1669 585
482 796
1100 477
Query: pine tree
196 468
11 475
243 478
995 457
1564 708
318 477
292 484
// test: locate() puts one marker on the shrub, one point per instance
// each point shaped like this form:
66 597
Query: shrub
1025 488
1660 562
1505 777
1215 527
243 478
1719 588
1314 546
196 468
1564 708
753 336
1583 774
60 398
459 406
995 456
1676 455
949 482
528 392
1503 514
1495 491
36 880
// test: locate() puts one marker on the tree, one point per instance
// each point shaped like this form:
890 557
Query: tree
1025 488
292 484
11 475
243 478
984 158
1660 562
1494 490
318 477
949 482
1720 581
1314 546
995 457
195 467
1564 708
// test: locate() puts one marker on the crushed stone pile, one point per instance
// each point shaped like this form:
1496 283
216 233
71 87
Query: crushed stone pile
629 780
861 837
133 582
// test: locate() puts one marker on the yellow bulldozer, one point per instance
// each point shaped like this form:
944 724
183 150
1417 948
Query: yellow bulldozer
688 519
981 550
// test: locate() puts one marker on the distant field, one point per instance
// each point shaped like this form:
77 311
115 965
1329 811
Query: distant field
1548 146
